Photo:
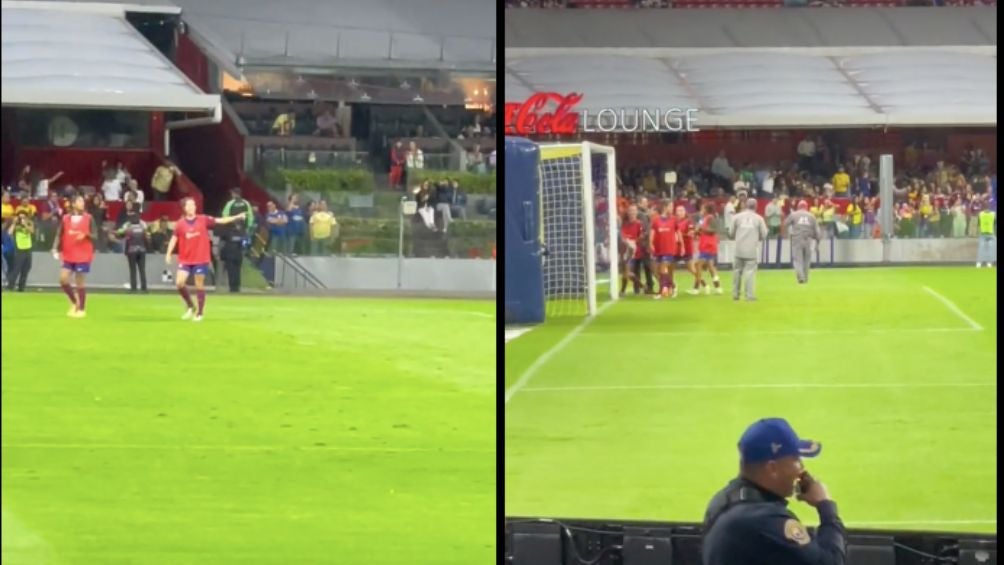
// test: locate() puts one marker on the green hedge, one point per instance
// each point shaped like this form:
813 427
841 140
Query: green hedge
471 183
324 181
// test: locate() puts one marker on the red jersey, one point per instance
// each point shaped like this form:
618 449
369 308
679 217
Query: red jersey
631 231
75 238
686 229
193 240
708 240
664 236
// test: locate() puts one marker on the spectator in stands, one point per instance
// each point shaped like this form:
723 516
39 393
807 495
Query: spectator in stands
806 154
322 229
414 161
42 184
134 192
343 118
855 217
6 254
22 231
397 161
476 161
458 200
841 182
96 207
327 125
870 220
976 205
162 179
25 206
112 189
276 221
721 170
443 199
772 213
296 227
24 187
7 208
160 233
285 123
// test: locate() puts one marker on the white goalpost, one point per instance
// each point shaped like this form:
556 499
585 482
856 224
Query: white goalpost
578 225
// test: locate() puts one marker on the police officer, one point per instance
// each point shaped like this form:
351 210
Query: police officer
804 231
748 522
235 236
22 231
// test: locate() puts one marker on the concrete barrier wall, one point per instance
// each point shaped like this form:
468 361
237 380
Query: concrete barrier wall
380 273
109 270
869 251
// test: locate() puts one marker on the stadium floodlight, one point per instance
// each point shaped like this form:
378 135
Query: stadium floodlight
579 225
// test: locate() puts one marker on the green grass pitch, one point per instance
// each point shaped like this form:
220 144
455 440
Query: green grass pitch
636 414
277 430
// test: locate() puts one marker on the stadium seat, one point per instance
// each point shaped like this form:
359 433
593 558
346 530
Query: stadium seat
871 550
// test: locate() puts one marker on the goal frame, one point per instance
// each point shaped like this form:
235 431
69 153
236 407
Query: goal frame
586 150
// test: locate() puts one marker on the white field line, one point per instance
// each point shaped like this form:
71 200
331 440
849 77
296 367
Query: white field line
601 388
854 523
954 309
513 333
555 349
789 332
194 447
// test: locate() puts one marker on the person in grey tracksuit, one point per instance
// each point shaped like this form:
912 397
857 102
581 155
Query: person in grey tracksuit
805 235
748 230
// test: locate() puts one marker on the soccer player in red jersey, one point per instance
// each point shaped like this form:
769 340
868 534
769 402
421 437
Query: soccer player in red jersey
686 251
707 249
664 240
75 248
191 236
631 230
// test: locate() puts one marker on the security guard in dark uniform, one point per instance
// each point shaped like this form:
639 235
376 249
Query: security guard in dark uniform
748 522
235 237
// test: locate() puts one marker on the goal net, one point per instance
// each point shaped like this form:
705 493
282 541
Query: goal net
578 203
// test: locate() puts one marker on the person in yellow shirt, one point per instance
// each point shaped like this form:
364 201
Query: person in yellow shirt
322 227
284 123
27 207
8 208
924 211
906 225
841 181
855 216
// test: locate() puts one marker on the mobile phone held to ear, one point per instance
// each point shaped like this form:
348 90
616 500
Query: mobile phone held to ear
804 482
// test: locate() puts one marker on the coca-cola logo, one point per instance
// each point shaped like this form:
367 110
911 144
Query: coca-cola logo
530 117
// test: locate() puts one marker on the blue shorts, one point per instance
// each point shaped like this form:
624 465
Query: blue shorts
706 256
664 258
683 258
77 267
199 269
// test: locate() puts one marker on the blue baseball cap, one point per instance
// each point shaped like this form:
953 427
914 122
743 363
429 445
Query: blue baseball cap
773 438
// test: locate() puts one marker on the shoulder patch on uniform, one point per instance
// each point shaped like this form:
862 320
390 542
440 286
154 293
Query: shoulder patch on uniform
796 532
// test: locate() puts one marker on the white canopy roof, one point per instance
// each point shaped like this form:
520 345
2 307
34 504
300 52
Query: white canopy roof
777 88
88 56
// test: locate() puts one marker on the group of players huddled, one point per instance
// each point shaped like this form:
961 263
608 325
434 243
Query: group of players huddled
660 240
74 247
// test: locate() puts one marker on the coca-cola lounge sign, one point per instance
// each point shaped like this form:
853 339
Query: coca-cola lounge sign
553 113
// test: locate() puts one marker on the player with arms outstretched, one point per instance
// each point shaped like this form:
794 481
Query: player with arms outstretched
74 239
191 236
664 241
707 249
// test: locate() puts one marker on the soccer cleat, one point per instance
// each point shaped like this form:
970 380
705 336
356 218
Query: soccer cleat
693 291
718 290
675 292
73 311
79 314
978 265
197 319
707 290
188 314
657 297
